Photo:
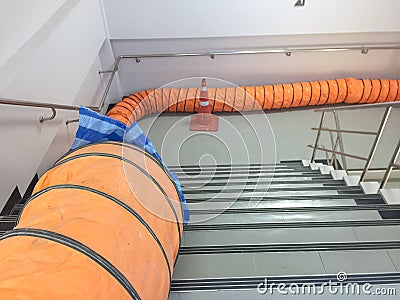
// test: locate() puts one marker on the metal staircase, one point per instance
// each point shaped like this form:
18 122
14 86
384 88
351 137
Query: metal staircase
305 227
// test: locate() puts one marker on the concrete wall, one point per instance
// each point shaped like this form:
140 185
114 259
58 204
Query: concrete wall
129 19
17 25
52 56
256 69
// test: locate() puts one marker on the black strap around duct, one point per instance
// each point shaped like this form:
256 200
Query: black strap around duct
108 155
73 244
106 196
132 147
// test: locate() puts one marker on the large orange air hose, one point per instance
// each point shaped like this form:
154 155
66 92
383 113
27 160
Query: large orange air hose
248 98
104 223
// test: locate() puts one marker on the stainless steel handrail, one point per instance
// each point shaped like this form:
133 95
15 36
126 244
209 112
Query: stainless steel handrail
288 51
55 106
338 152
52 106
378 135
345 131
392 165
37 104
212 54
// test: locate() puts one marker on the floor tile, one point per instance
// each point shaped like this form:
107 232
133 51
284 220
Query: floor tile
346 202
378 233
268 236
369 261
292 203
355 215
395 257
248 265
291 263
307 216
259 218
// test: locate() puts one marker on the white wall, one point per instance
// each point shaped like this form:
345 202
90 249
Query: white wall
59 67
18 25
129 19
256 69
92 88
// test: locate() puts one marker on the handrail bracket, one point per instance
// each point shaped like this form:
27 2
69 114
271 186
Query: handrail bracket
54 114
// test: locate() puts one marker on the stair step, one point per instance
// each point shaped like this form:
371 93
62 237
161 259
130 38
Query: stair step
290 262
293 247
5 226
298 209
300 176
287 173
235 167
192 172
260 181
286 225
393 214
272 188
285 217
282 203
8 218
269 193
30 188
250 283
286 163
289 236
295 197
14 198
212 205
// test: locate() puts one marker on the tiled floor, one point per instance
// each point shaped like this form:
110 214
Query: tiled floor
371 261
379 233
248 265
268 236
210 204
395 257
260 194
237 218
355 215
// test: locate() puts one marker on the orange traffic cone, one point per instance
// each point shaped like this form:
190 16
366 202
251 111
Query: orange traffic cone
204 120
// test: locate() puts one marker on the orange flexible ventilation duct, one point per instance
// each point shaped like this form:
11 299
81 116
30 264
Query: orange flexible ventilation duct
248 98
104 223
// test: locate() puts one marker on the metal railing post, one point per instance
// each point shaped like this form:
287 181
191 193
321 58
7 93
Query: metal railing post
391 166
376 142
318 136
109 82
341 145
334 157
